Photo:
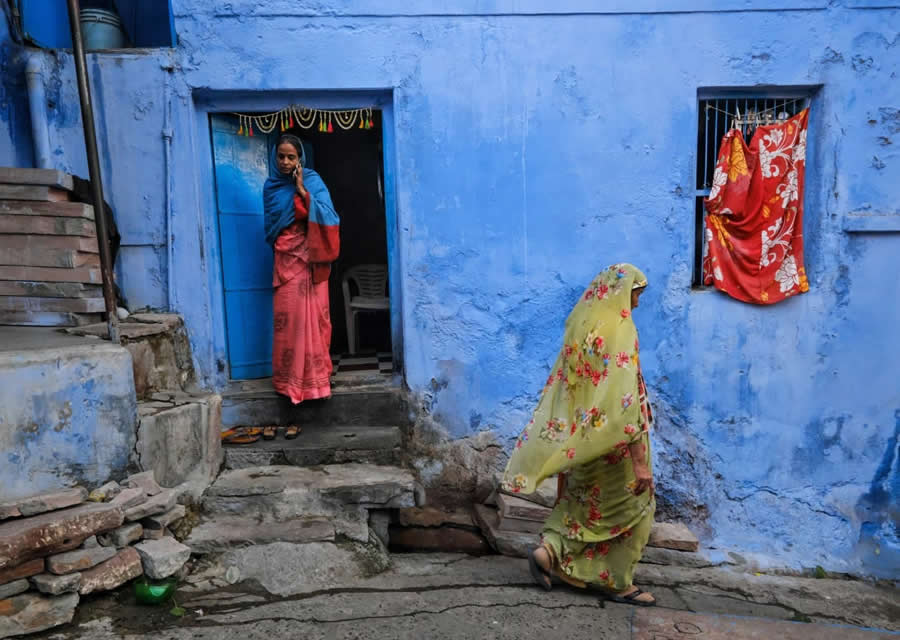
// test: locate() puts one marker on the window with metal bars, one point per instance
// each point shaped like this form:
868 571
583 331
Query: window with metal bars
716 115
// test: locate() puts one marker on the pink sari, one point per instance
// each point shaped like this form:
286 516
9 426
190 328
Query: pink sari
301 362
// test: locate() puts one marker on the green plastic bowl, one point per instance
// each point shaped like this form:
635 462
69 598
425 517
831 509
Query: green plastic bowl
154 592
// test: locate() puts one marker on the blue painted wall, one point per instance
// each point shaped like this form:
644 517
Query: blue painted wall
15 123
533 147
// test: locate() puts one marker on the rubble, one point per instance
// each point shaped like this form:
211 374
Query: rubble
159 503
14 588
24 570
116 571
145 481
107 492
42 503
129 498
162 558
165 519
78 560
123 536
55 585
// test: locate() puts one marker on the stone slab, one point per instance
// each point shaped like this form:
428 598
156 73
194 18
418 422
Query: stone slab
44 193
54 585
434 517
673 535
84 275
515 507
224 533
50 289
662 624
38 208
44 177
14 588
123 536
30 613
145 480
160 503
670 557
516 525
106 492
508 543
78 560
41 503
129 498
163 520
162 558
153 534
40 535
124 566
545 495
319 445
24 570
43 225
438 539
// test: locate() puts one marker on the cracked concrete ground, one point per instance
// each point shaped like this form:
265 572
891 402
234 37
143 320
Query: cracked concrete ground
446 596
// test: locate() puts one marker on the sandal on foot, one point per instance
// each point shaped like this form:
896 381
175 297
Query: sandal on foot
631 598
540 575
291 432
268 433
241 435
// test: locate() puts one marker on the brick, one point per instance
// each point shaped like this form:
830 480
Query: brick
515 507
78 560
45 225
54 585
125 566
24 570
43 502
50 289
52 209
27 538
157 504
45 177
86 275
123 536
14 588
673 535
162 558
438 540
144 480
128 498
163 520
40 305
32 612
32 192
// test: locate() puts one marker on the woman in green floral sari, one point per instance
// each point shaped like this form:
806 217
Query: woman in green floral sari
592 424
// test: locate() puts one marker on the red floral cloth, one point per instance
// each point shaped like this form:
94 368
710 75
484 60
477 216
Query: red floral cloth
754 221
301 363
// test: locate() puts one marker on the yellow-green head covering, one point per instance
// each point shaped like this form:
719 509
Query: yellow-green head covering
590 406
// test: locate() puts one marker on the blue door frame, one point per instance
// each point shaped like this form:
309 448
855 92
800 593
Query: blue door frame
222 282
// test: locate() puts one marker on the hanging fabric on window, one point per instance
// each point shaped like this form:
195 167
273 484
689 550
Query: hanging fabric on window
754 221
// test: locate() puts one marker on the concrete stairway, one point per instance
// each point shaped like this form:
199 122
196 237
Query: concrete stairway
49 256
358 424
261 505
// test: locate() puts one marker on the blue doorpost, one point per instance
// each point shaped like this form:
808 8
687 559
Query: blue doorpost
241 167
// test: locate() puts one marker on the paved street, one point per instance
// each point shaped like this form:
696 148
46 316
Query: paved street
445 596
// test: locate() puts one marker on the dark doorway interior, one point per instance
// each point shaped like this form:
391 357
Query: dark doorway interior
351 164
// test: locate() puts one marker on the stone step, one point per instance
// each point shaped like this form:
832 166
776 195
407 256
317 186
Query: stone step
52 209
344 493
44 177
45 225
42 193
318 445
218 534
256 404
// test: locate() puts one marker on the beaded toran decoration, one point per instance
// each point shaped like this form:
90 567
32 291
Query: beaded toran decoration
305 118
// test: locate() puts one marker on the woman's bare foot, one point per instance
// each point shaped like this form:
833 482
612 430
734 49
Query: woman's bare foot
539 563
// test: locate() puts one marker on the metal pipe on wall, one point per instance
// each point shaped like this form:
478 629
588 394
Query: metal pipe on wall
37 106
90 143
167 135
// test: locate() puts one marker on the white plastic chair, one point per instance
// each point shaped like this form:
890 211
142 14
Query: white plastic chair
371 282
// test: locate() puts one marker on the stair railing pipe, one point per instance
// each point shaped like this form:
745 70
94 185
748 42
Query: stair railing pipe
90 143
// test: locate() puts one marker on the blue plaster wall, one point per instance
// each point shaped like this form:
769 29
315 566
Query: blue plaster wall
68 416
15 122
533 147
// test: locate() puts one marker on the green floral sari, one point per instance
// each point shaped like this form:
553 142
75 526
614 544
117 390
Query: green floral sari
593 407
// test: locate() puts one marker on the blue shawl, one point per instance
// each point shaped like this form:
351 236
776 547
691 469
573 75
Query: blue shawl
278 199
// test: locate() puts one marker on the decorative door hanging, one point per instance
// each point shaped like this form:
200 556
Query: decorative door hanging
305 117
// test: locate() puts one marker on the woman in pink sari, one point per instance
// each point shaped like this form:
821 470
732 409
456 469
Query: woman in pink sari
302 227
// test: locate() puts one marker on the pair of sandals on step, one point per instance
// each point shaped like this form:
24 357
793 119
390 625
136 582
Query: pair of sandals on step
247 435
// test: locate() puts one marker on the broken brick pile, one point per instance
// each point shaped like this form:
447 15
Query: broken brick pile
59 546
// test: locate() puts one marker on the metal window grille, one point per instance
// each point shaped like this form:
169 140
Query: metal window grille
716 116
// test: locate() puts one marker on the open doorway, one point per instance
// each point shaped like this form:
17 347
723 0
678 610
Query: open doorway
351 163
